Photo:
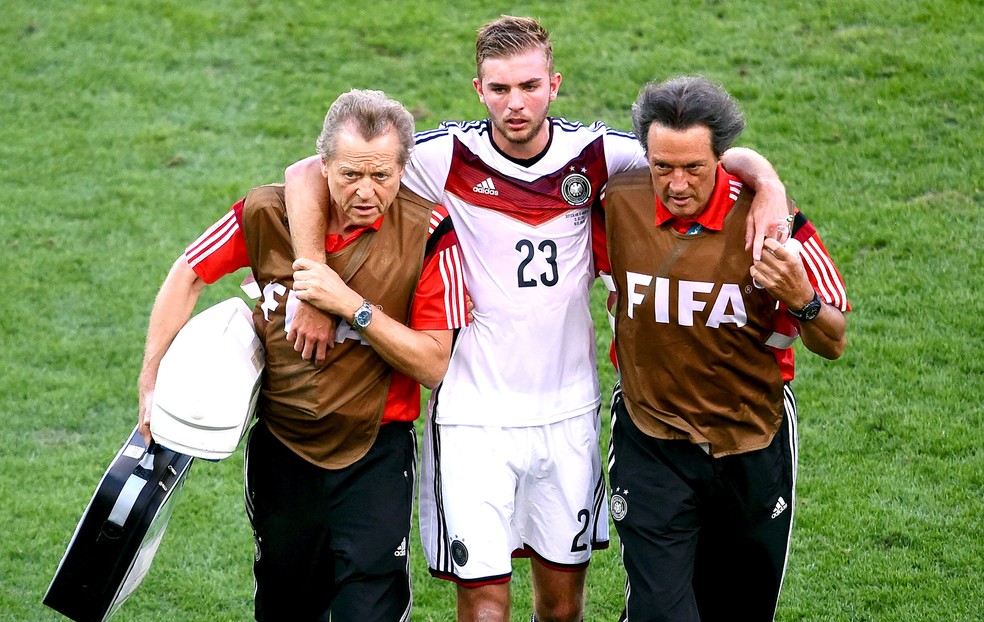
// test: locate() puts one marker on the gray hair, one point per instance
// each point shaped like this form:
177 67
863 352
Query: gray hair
685 101
371 114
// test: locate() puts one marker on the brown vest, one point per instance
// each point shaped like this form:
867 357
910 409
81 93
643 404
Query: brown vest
692 356
330 414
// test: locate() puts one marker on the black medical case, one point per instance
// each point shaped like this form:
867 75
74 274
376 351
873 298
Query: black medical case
119 533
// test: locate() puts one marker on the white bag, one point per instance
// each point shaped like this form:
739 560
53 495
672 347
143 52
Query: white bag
208 383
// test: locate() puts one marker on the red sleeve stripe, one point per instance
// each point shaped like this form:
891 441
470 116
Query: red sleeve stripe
824 274
213 239
454 287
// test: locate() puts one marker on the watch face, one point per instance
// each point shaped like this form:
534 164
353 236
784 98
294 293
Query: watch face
363 316
811 310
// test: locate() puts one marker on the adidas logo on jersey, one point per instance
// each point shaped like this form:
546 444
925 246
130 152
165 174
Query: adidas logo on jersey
486 187
401 551
780 507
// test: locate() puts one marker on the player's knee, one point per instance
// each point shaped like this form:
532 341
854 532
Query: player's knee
490 602
482 611
570 615
559 611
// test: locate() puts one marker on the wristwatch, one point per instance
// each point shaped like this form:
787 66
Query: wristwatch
810 311
362 317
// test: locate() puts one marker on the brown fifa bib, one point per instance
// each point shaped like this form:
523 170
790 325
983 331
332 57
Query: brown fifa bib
330 413
690 328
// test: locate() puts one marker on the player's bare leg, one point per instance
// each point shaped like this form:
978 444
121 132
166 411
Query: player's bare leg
488 603
558 595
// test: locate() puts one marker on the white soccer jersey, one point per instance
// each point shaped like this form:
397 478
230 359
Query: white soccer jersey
525 232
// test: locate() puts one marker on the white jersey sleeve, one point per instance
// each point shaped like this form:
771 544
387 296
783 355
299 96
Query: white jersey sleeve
623 152
430 162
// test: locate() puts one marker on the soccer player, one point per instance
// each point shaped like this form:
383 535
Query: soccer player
511 459
703 451
331 462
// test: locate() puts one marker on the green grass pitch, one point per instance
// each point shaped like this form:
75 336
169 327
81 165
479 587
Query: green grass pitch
127 127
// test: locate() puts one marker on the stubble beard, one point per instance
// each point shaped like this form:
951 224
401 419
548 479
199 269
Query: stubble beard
519 138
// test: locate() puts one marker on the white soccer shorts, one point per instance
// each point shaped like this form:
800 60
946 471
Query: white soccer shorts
487 492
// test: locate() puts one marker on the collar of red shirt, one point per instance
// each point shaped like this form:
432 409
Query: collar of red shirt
335 242
722 200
